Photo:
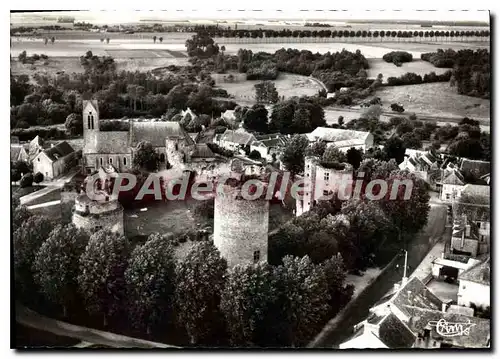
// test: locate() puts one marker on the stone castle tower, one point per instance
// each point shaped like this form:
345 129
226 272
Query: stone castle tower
241 228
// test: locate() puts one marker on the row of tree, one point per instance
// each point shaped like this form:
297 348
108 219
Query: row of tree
195 301
259 33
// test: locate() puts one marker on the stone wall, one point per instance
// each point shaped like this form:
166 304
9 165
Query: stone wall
241 229
112 220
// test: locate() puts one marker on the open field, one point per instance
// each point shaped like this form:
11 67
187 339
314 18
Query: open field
288 85
388 69
423 99
120 47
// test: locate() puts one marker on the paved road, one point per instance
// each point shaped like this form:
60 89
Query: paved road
29 318
418 248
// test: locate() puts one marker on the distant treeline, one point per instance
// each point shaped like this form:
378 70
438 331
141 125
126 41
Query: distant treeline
214 31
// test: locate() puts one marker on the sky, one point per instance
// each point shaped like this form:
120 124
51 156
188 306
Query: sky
125 16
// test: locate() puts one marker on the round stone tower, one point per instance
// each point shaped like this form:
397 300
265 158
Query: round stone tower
102 213
240 227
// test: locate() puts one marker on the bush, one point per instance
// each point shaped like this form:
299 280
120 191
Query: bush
398 57
26 180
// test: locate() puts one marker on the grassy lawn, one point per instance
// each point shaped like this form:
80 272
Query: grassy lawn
388 69
51 212
422 99
18 192
288 85
51 196
162 217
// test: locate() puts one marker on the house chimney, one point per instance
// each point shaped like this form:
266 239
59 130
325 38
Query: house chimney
51 145
443 307
410 298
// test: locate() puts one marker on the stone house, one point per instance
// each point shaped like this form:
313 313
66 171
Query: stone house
35 147
321 181
53 161
474 285
269 145
452 185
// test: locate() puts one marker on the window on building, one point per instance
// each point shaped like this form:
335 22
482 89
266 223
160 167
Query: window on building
327 176
125 161
101 161
110 160
256 256
447 196
38 159
307 174
325 193
463 287
478 224
89 171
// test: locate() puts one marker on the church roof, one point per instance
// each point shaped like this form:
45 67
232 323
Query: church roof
201 150
157 132
113 142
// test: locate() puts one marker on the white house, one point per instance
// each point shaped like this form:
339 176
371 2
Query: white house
452 185
267 145
474 285
235 140
342 139
53 161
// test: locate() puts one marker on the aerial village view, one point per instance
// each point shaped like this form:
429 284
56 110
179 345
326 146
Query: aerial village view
230 180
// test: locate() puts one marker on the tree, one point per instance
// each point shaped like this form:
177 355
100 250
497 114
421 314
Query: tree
303 299
317 149
408 214
340 121
265 92
161 39
301 121
56 264
293 155
255 155
26 180
52 40
74 124
38 178
107 40
333 155
101 280
15 175
255 119
199 284
411 140
354 157
150 283
370 231
340 293
27 240
146 157
45 40
249 303
154 39
395 148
